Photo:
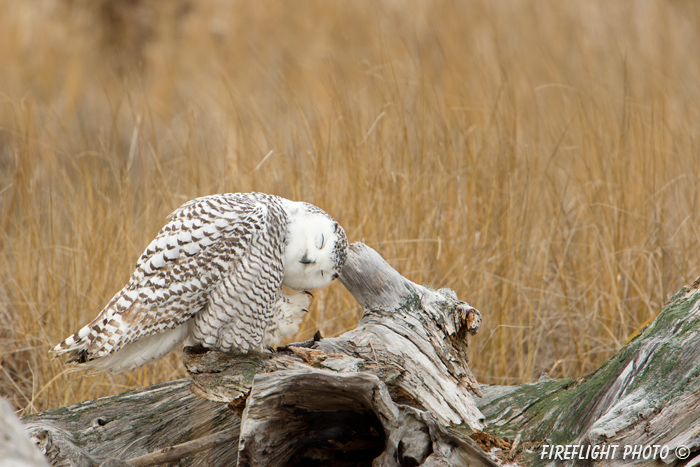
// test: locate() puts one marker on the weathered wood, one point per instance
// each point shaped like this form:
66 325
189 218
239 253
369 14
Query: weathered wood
132 424
421 332
321 417
373 283
16 449
395 391
383 391
647 394
187 449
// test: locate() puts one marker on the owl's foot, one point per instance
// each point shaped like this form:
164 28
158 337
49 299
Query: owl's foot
306 344
289 312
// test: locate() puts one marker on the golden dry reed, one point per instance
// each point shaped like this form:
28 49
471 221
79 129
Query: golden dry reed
541 158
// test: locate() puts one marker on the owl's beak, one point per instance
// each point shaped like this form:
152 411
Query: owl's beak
305 260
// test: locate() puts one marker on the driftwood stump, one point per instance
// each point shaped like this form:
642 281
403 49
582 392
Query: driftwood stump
382 394
394 391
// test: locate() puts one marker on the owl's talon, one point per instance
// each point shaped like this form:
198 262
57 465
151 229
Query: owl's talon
308 293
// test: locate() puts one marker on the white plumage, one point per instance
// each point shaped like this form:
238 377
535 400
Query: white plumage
213 277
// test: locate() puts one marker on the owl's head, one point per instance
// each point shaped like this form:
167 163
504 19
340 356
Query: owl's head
316 249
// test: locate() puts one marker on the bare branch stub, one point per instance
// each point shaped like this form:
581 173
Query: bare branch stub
421 332
370 279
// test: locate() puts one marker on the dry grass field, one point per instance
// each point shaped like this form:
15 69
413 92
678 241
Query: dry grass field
541 158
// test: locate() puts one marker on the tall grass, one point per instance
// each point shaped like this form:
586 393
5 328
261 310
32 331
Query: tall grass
540 158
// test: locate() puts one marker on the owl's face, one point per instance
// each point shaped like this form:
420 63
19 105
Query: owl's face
315 252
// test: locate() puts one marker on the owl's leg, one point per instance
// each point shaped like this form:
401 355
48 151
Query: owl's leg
289 312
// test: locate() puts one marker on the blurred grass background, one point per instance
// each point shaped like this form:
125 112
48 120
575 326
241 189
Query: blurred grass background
540 158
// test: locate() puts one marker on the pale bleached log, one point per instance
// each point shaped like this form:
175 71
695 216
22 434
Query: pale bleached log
186 449
320 417
16 449
133 424
647 394
410 346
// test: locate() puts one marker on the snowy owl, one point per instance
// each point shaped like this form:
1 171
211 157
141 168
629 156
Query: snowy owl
213 277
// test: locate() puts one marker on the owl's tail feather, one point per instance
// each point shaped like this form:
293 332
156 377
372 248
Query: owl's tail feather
128 357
